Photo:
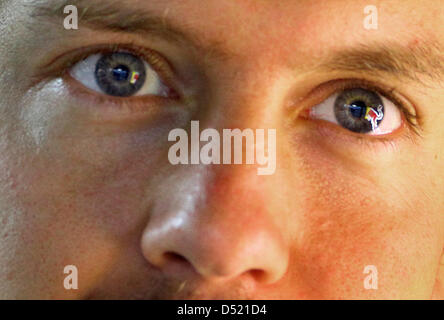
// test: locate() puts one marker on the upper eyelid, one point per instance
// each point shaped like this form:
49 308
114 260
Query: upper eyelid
389 93
61 64
167 74
326 89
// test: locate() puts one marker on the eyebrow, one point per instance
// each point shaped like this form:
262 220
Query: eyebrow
112 15
413 63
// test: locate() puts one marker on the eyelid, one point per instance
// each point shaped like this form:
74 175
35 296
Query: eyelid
327 89
61 65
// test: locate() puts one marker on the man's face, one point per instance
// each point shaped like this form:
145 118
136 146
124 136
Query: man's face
86 179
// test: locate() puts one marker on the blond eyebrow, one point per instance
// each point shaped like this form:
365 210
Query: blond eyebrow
107 14
414 63
113 15
424 60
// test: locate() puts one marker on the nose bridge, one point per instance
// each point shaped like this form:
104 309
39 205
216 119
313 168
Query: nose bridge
235 192
221 226
247 94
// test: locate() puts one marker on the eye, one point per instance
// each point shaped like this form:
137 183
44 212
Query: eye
119 74
359 110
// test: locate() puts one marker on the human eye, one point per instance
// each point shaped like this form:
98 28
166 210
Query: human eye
363 109
120 74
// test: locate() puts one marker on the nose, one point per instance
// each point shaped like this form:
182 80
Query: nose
215 224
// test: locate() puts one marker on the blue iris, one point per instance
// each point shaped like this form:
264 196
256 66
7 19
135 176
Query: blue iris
113 74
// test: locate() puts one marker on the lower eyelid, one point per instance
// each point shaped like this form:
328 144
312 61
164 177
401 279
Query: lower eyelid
338 139
109 108
82 72
320 93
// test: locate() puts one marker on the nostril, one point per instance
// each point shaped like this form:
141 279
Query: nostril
177 265
258 275
175 258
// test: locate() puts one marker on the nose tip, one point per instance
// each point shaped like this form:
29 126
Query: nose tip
216 224
214 254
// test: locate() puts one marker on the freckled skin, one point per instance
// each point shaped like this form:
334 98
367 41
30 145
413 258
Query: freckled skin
78 190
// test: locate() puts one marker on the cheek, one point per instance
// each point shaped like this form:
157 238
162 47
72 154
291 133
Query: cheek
41 231
92 170
73 199
98 182
350 218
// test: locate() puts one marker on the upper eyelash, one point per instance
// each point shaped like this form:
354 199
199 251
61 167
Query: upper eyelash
162 66
412 119
60 66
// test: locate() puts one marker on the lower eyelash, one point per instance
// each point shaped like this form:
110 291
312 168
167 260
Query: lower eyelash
331 134
325 90
61 65
389 94
135 105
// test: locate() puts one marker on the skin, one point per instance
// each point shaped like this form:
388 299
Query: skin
84 183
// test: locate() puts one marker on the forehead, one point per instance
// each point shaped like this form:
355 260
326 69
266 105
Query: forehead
277 29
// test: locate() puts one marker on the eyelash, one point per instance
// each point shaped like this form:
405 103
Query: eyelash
60 67
154 59
167 74
329 88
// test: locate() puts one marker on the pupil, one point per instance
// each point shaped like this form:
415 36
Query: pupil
121 73
357 109
351 108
